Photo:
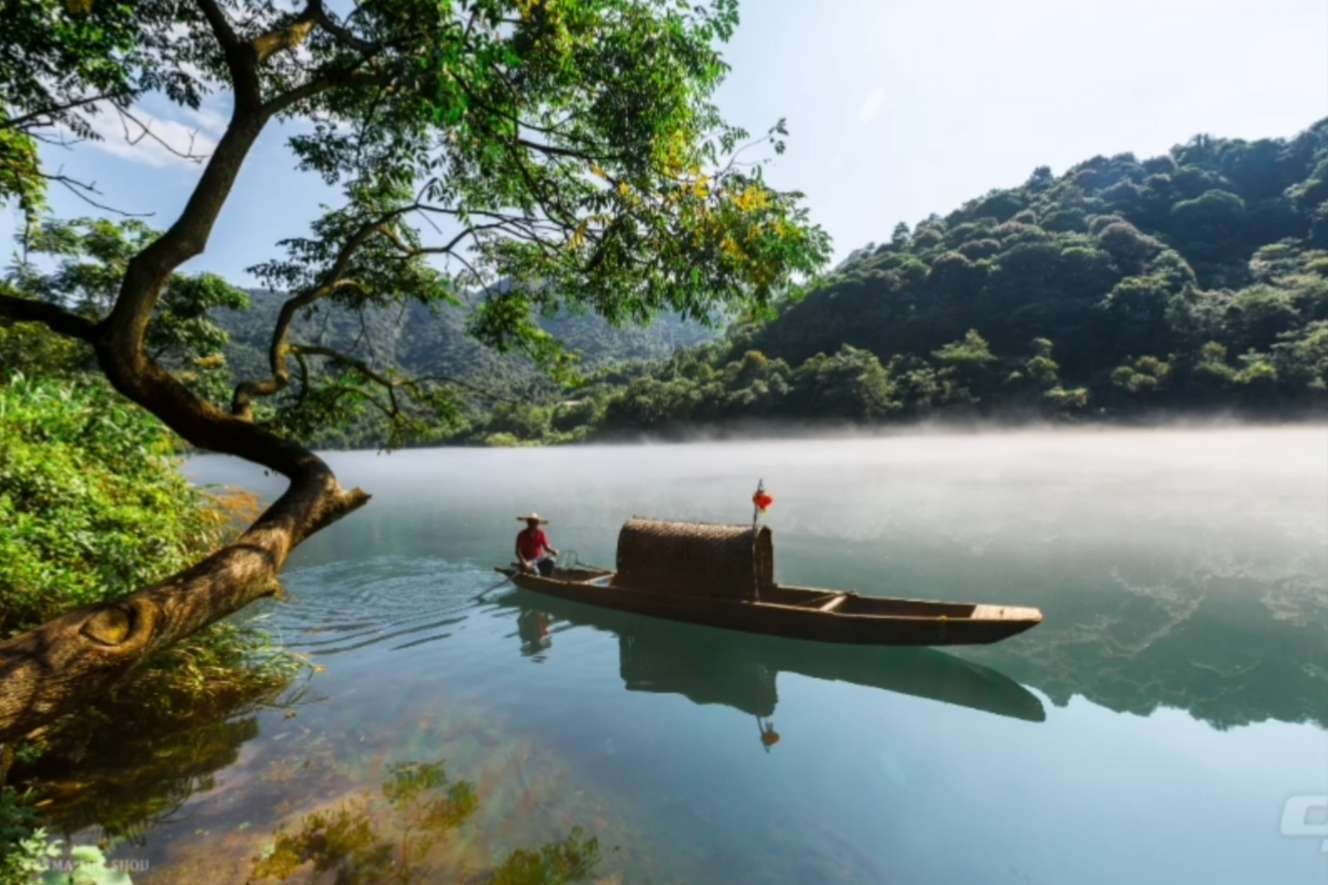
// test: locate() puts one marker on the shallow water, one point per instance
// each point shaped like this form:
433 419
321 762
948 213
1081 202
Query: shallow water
1151 730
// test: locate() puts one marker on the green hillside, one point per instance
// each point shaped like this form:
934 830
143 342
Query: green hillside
417 341
1193 281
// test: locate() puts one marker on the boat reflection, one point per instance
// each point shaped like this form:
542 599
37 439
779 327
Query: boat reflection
739 670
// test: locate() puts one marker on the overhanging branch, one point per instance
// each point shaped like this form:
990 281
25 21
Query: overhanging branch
331 281
57 319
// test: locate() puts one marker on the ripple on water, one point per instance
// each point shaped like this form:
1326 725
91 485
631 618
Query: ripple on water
347 606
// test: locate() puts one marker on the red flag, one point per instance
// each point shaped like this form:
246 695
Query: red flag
762 499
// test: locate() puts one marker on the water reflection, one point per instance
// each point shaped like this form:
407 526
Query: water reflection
134 778
532 625
1181 575
124 768
740 670
1176 569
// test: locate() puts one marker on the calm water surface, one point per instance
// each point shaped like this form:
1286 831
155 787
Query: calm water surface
1150 731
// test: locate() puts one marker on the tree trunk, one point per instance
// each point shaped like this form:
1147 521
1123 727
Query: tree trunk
49 670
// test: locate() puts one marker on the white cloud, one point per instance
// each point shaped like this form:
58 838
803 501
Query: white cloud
871 105
208 120
164 143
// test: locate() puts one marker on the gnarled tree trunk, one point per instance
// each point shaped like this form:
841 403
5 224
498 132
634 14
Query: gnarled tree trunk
48 671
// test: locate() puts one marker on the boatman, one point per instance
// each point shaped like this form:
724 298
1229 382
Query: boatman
533 550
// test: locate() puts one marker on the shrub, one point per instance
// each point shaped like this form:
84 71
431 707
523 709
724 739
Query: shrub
92 505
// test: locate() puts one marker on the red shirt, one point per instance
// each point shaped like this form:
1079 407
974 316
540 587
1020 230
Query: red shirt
532 543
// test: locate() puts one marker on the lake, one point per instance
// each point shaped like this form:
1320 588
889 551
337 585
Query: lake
1153 729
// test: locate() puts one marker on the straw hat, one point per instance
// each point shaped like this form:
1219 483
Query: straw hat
532 515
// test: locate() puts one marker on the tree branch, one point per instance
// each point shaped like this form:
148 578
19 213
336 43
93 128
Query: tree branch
247 391
83 189
221 26
145 131
332 281
57 319
343 34
24 119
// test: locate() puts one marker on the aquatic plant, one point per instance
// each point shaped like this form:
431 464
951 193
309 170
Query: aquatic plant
359 841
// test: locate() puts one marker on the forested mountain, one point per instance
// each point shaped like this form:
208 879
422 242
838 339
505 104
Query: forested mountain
417 341
421 342
1193 280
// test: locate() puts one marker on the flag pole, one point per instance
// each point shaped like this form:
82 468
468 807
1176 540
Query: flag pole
756 512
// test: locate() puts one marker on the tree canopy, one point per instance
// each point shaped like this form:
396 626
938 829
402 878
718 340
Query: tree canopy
541 153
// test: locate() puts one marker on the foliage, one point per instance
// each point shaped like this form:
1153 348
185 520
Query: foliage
17 822
568 860
23 861
91 504
507 163
1079 294
80 264
79 865
30 349
92 507
486 387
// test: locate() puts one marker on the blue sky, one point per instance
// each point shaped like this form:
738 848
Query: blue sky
896 109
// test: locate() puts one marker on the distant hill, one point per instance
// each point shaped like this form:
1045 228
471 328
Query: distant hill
421 343
1190 282
1197 280
1117 258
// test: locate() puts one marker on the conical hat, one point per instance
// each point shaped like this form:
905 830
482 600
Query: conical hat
532 515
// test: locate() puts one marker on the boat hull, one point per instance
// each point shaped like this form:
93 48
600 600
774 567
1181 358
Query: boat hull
921 623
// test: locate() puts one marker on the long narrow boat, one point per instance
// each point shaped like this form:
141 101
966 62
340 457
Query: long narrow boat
740 670
723 576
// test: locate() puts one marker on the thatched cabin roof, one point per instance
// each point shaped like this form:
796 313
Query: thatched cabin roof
692 558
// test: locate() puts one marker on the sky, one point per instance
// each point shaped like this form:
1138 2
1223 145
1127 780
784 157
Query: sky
896 108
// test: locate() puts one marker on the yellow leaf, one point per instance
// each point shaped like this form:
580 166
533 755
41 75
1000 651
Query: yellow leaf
752 199
578 237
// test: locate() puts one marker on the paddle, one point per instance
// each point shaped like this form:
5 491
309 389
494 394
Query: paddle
481 594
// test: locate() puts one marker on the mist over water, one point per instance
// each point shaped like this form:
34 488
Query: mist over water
1149 731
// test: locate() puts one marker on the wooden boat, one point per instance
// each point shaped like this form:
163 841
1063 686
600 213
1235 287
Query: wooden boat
723 576
740 670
